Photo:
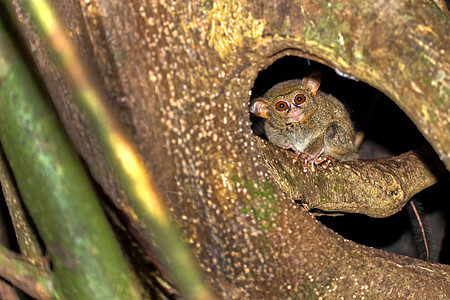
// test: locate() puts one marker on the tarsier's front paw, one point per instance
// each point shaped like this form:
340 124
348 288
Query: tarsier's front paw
317 160
307 160
324 160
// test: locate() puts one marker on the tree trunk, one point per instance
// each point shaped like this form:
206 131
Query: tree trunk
179 75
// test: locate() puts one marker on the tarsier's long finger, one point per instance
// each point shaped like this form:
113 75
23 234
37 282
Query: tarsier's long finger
305 165
325 166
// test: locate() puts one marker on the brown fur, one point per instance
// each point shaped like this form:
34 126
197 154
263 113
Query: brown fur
323 123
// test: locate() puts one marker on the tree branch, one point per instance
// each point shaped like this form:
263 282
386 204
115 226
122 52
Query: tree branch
26 276
26 238
7 292
377 188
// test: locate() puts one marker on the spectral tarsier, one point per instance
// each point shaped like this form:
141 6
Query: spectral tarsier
312 123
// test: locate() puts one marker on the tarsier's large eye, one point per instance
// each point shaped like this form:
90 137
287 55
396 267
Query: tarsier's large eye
281 105
299 99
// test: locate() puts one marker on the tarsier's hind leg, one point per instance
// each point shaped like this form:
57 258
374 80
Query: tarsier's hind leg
339 141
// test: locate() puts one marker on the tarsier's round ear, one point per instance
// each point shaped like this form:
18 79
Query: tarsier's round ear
259 107
312 82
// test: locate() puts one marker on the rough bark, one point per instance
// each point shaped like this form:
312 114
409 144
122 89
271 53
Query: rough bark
179 75
377 188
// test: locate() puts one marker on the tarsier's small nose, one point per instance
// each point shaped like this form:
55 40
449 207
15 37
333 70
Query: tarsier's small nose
295 109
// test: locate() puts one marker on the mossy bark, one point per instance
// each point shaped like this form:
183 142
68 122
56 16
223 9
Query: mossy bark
377 188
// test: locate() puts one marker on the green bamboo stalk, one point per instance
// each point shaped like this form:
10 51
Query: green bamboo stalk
138 185
26 276
86 259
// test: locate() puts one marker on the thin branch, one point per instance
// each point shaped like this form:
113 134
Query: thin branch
26 276
26 238
7 292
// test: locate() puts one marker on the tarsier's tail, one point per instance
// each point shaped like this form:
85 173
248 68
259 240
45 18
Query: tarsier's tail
421 231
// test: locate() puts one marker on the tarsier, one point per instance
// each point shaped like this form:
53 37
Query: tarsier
312 123
315 125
